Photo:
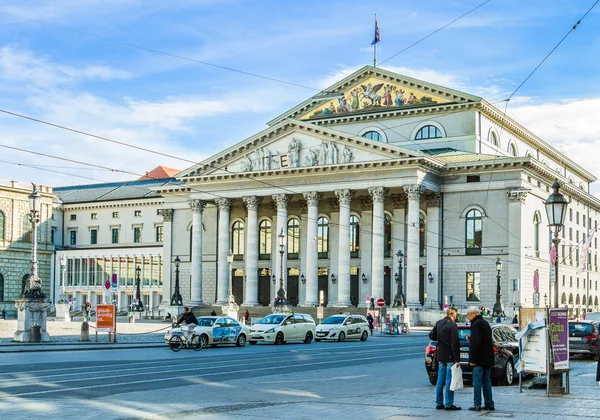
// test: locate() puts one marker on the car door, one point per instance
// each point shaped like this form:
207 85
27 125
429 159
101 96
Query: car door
359 324
289 328
220 331
234 329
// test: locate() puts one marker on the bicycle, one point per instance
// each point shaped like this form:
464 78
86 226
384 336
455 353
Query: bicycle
180 340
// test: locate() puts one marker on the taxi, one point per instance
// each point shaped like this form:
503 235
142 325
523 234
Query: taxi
340 327
216 330
281 328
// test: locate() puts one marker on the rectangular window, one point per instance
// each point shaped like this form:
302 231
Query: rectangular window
472 178
473 285
563 283
570 215
115 235
577 217
571 281
73 237
583 220
94 215
73 217
93 236
570 234
137 213
159 233
578 282
577 235
115 214
52 233
137 234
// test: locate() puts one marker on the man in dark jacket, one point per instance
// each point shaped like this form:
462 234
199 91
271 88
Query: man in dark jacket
188 318
481 358
445 333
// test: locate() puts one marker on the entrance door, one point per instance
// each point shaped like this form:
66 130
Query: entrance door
292 290
387 287
354 287
422 285
264 289
238 287
324 286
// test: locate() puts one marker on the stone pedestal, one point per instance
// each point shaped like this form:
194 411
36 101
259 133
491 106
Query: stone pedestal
174 310
63 312
29 312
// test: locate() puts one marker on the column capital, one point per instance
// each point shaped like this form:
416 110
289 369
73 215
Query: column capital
413 192
433 199
399 201
313 198
167 214
281 201
516 196
344 196
224 204
197 205
378 194
252 203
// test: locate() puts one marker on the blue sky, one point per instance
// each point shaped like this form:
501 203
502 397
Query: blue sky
57 64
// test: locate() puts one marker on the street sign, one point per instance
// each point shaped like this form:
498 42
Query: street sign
115 280
105 318
107 284
553 256
368 299
381 302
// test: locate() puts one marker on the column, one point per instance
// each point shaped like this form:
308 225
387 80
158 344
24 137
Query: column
433 244
312 256
167 286
344 198
196 286
366 235
251 254
513 260
378 197
398 237
281 202
412 244
224 205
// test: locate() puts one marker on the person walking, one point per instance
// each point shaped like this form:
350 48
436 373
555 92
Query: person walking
445 333
4 314
246 316
481 358
370 321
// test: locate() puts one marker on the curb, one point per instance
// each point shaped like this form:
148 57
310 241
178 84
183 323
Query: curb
20 348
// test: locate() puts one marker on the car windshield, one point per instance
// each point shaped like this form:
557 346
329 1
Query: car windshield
206 322
333 320
272 319
580 330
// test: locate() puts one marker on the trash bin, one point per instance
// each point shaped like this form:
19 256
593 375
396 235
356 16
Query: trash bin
85 331
36 333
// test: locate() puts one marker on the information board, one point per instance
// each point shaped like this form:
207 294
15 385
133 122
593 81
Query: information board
105 318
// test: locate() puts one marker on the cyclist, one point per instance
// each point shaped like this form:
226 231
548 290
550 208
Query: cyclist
188 318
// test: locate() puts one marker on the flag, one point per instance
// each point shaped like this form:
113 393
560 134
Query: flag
377 36
584 251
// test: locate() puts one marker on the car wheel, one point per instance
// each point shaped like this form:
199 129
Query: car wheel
279 338
204 341
342 336
252 342
509 374
364 336
308 338
241 340
317 340
196 343
175 343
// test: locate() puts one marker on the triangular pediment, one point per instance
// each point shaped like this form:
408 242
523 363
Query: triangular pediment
371 90
295 144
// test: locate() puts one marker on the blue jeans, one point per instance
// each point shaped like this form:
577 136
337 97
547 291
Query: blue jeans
444 377
482 380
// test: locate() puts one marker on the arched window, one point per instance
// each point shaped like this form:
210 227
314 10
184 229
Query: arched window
354 236
293 239
563 299
323 237
428 132
512 149
577 300
238 240
473 232
422 236
1 226
493 138
373 135
1 288
387 246
536 233
264 240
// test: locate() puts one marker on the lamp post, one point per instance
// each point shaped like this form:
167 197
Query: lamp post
399 298
556 210
139 305
498 310
232 307
34 289
176 299
63 269
281 302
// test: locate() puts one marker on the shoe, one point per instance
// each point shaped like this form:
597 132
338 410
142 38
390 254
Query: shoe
451 408
475 408
489 408
439 407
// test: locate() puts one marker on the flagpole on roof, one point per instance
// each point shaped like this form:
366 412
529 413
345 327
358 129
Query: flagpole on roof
375 44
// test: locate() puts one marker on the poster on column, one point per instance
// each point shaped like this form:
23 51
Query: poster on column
559 337
532 341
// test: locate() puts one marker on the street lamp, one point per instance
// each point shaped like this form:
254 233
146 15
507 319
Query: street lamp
333 279
303 279
399 298
34 289
556 210
63 269
232 307
139 306
430 278
281 302
176 299
498 310
364 278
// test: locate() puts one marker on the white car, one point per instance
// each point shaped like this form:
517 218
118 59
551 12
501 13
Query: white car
341 327
214 330
280 328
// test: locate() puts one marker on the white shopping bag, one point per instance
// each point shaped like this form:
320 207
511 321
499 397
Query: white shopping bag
457 379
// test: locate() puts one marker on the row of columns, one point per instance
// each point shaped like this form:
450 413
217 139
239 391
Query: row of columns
344 198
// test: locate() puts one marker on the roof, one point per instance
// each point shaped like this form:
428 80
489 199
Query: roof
463 157
111 191
160 172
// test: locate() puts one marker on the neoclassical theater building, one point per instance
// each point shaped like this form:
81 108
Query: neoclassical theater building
378 164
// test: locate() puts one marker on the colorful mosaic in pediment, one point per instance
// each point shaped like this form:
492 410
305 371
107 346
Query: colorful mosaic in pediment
374 94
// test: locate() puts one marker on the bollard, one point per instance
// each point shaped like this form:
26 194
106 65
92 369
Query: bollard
85 331
36 333
132 318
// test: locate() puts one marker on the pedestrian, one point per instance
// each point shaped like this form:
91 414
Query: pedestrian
3 313
515 319
370 321
481 359
246 316
213 313
445 332
598 372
